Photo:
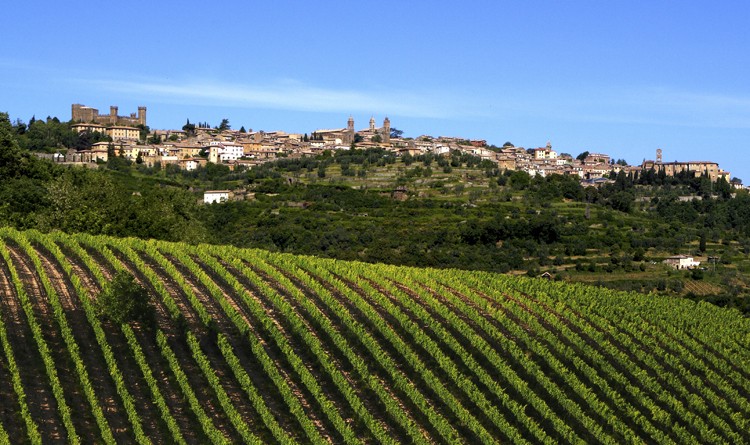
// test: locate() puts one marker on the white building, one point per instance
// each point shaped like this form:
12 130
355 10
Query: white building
211 196
682 262
222 153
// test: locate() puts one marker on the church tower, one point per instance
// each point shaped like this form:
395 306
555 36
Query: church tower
372 125
350 130
658 155
387 130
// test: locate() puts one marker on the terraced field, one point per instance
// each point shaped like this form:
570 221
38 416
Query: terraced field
255 347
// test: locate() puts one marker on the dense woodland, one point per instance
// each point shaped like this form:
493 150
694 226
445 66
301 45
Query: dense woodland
517 223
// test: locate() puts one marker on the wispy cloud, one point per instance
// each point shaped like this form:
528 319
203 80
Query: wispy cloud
656 106
702 108
291 95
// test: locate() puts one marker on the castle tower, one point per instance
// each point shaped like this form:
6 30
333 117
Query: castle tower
113 115
372 124
350 130
387 130
142 115
81 113
658 155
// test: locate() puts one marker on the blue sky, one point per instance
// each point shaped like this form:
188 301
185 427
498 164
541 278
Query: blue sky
619 77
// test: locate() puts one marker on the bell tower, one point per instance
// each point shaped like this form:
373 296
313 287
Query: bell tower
372 125
658 155
387 130
350 130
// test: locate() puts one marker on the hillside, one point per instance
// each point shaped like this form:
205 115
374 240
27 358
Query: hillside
250 346
450 211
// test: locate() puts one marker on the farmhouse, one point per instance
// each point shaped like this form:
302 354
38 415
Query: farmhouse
211 196
682 262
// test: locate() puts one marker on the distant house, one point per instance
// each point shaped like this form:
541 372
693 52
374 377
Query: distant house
400 193
211 196
505 162
544 153
596 182
681 262
190 164
413 151
596 158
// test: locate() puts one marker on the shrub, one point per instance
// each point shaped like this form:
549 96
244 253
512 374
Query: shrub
124 300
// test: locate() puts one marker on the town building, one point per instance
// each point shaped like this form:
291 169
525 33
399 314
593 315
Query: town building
117 132
89 127
225 152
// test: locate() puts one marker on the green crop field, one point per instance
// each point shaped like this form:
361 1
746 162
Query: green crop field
255 347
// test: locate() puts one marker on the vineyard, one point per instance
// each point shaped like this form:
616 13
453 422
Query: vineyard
249 346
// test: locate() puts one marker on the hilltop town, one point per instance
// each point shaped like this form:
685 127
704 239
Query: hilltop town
195 145
370 194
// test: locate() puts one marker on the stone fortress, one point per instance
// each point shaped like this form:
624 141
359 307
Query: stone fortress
82 113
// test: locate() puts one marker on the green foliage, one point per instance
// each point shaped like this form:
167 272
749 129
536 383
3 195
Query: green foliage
143 133
696 274
96 202
51 134
124 300
519 180
622 201
189 129
10 152
84 140
119 163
